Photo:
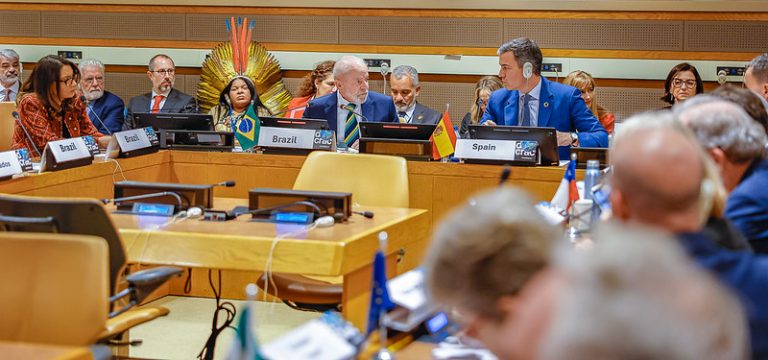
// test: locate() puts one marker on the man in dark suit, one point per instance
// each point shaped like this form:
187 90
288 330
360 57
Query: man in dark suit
737 145
163 98
531 100
404 89
105 109
342 109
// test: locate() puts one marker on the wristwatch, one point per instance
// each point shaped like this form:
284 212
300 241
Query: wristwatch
574 139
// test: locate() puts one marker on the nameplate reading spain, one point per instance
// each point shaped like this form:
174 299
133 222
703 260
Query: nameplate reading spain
293 138
133 139
69 150
10 164
480 149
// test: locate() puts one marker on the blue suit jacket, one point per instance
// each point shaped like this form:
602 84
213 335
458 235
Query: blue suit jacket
110 110
377 107
560 107
746 274
747 206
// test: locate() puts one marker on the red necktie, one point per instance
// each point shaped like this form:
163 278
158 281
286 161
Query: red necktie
156 105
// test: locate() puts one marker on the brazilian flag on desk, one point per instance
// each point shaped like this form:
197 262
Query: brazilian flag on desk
247 131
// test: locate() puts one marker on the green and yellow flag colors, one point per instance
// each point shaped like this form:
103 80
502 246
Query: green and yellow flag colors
247 131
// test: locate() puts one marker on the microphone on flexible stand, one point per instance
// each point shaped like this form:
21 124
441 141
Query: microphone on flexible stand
24 128
228 183
384 71
90 108
349 107
118 201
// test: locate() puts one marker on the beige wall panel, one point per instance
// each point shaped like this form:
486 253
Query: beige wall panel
275 28
20 23
624 102
292 85
598 34
113 25
420 31
734 36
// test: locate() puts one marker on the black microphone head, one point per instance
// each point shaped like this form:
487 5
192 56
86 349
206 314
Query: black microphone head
229 183
505 174
83 99
15 114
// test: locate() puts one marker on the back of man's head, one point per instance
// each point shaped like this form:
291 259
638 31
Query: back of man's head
637 295
721 124
658 170
487 249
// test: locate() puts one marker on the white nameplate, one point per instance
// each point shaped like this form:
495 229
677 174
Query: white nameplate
69 149
9 164
496 150
314 340
130 140
286 137
407 290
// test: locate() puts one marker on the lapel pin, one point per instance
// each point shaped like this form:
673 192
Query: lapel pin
546 104
419 117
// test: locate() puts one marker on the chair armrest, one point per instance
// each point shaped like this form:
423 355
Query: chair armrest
120 323
155 275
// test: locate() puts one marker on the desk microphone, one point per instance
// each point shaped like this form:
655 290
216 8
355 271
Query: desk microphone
505 175
228 183
349 107
24 128
117 201
367 214
90 108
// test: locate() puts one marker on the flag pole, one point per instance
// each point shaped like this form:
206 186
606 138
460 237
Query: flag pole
383 353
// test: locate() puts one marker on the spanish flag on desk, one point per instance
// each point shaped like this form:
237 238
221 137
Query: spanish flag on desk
444 138
247 131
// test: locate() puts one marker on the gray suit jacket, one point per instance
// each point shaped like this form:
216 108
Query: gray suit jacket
177 102
425 115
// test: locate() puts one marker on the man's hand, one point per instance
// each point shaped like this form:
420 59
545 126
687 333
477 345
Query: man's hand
564 139
489 123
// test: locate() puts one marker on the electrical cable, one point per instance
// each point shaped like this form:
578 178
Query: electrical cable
230 311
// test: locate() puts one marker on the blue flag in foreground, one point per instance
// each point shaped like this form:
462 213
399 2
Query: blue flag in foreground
244 346
567 193
247 131
380 300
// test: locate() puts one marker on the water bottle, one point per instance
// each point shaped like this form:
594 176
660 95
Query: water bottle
592 178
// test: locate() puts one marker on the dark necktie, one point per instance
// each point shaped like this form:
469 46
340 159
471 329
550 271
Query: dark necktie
402 117
526 111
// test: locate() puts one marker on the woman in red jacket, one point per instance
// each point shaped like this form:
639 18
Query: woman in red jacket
49 106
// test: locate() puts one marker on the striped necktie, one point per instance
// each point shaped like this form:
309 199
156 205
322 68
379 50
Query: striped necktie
351 128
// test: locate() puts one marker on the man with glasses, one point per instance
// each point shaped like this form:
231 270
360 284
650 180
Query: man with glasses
10 75
104 108
163 98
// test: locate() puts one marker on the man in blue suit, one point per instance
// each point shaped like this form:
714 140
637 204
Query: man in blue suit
531 100
737 145
342 109
104 108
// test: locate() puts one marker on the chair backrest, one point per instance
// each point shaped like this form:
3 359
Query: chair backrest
373 180
72 216
7 125
55 288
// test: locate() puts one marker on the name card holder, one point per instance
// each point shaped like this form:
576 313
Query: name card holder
417 150
133 143
14 162
481 151
295 141
65 154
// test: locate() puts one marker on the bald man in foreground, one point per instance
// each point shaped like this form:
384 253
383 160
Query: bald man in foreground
658 180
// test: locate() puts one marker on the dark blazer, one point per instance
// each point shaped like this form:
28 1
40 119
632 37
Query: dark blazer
560 107
425 115
745 274
109 111
377 107
177 102
747 206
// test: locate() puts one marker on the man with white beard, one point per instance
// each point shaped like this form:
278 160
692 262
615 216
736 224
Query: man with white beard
104 108
10 75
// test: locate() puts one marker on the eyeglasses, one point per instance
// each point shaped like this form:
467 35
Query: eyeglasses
69 81
164 72
98 79
678 83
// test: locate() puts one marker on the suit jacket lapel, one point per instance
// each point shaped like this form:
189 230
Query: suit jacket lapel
367 109
331 110
545 102
510 110
170 101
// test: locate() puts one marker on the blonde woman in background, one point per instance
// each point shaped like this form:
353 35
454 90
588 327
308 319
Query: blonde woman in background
483 89
583 81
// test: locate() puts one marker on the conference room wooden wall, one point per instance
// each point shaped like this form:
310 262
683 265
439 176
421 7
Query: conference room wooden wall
580 34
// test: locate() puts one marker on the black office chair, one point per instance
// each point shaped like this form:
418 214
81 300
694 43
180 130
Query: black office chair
86 217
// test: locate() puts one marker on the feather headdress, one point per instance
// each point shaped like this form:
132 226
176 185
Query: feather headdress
240 57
